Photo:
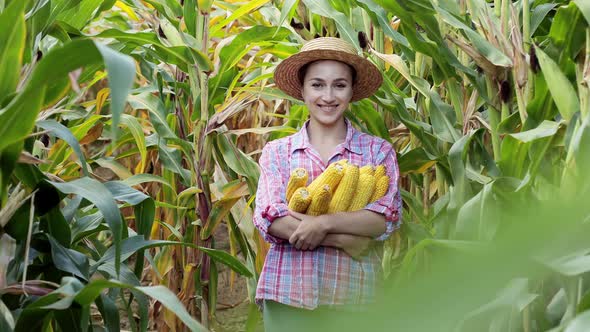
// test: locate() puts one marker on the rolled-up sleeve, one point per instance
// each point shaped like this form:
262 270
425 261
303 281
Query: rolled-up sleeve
270 195
389 205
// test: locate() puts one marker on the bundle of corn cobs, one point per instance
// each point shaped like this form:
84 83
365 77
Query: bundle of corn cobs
341 187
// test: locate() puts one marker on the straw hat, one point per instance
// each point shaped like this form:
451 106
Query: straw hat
368 77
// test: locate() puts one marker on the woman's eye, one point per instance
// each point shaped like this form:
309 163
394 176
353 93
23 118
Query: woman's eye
316 85
341 86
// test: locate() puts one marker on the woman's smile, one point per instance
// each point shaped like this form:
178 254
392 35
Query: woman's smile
327 91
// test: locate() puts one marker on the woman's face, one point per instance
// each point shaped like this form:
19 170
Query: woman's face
327 90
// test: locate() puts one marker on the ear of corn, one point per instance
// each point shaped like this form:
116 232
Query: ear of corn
297 180
346 190
320 201
364 192
367 169
380 171
300 200
331 176
381 188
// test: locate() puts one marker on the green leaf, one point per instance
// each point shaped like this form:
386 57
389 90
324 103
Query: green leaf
365 111
79 15
228 260
12 44
171 302
561 88
213 281
545 129
580 323
323 8
125 193
539 14
222 207
415 161
58 63
143 178
231 54
584 7
157 112
18 119
58 227
383 21
109 312
64 133
190 16
239 12
8 158
136 130
69 260
160 293
178 55
238 161
484 47
100 196
121 74
87 225
172 160
6 319
131 245
287 10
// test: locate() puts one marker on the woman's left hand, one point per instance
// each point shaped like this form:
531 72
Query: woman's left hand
310 232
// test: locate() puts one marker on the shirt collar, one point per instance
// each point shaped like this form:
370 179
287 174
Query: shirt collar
351 142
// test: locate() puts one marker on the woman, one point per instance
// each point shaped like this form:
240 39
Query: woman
310 269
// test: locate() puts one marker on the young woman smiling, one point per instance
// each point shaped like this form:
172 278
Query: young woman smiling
314 267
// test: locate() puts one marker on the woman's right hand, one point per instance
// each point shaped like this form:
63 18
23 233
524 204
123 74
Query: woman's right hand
354 245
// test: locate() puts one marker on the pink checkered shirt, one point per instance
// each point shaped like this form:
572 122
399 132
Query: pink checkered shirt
326 275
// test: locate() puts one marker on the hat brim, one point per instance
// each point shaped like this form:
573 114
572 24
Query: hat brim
368 76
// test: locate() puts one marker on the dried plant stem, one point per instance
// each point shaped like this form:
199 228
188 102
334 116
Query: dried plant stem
28 243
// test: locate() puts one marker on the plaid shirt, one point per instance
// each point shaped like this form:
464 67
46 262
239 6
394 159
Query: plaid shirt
326 275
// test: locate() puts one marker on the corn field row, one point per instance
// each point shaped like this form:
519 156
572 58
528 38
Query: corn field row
131 131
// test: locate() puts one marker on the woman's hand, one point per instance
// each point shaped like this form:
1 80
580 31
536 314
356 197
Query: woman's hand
310 232
354 245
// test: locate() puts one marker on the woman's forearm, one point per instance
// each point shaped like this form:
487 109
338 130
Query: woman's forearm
361 223
284 227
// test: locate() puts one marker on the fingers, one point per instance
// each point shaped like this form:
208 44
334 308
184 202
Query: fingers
300 243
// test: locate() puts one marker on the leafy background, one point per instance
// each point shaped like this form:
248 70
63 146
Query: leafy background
131 131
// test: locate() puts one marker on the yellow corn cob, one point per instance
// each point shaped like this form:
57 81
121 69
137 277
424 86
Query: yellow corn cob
331 176
300 200
381 188
345 191
367 169
364 192
320 201
297 180
380 171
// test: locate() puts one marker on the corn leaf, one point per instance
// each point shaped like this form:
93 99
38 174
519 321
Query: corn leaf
561 88
12 43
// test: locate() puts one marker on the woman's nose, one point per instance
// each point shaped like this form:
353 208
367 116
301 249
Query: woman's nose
328 95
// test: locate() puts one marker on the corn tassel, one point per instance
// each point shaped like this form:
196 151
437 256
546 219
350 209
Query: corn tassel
331 176
320 201
300 200
380 188
346 190
297 180
365 189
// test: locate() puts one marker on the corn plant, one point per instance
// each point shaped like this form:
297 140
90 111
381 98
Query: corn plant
131 131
